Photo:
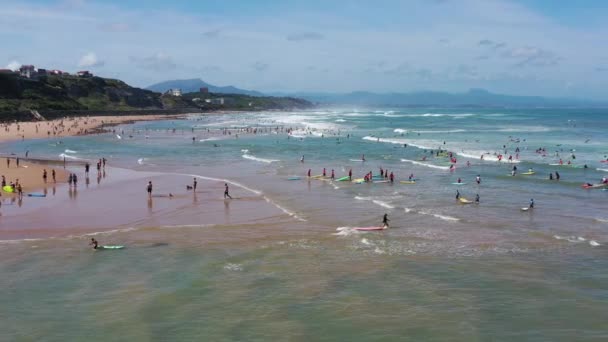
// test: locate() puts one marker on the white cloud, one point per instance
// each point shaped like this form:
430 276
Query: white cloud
90 60
13 65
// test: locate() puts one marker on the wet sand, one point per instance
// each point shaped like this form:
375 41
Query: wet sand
29 174
117 199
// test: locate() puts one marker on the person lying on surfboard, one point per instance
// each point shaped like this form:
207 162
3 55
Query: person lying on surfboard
385 220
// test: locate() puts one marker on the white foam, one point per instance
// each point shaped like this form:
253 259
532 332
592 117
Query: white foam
346 231
66 156
383 204
340 120
594 243
397 141
267 161
233 267
140 161
399 130
379 251
440 131
599 169
602 220
210 139
118 137
486 157
439 216
69 151
426 164
365 242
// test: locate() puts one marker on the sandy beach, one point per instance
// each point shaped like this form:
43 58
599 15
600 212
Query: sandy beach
68 126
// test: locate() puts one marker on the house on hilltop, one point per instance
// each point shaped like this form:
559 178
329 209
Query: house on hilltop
84 73
174 92
27 71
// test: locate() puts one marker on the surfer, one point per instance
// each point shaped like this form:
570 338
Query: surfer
556 175
308 172
477 198
392 177
350 174
385 220
324 172
478 179
411 177
459 180
149 188
550 175
94 243
226 193
457 194
363 157
302 159
531 206
333 175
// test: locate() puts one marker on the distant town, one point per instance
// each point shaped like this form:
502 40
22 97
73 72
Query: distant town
30 71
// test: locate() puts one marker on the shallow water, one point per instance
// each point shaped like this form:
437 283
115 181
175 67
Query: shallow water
282 260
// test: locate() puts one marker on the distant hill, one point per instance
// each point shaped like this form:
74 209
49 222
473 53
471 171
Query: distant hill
474 97
194 85
70 94
75 93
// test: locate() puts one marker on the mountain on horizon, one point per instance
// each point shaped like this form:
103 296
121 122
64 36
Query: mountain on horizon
473 97
194 85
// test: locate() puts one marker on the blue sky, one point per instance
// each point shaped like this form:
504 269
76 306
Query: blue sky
525 47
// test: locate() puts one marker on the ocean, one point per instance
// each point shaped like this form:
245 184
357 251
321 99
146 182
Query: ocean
283 259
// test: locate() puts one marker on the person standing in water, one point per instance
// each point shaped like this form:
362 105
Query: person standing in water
94 243
194 183
531 206
149 188
333 175
302 159
226 191
385 220
477 198
350 174
478 179
457 194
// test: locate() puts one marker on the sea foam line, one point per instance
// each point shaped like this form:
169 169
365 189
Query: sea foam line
426 164
267 161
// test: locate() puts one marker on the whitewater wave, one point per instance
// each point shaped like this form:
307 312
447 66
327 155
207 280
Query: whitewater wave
340 120
577 239
599 169
486 157
67 156
398 142
346 231
400 130
426 164
210 139
250 157
69 151
439 216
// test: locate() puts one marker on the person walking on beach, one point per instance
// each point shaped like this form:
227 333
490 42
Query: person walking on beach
8 163
86 168
44 175
17 161
226 191
54 176
385 220
194 185
149 188
75 180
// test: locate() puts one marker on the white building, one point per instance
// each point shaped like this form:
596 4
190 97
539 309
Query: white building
174 92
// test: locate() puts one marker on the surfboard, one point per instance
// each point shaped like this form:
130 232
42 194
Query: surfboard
8 188
317 176
381 181
36 194
528 173
111 247
293 178
358 180
459 183
369 228
342 179
464 200
525 209
594 186
407 182
357 160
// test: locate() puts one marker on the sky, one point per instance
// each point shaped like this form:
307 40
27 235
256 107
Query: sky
520 47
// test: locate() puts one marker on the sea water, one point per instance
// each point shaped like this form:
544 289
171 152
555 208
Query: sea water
444 271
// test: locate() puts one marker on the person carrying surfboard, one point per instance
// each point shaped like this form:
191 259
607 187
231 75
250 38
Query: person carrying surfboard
385 220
